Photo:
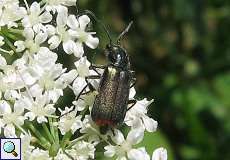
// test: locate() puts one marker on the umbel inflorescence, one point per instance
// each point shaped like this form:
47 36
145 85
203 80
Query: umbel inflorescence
32 83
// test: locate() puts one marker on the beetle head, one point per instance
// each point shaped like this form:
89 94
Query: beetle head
117 56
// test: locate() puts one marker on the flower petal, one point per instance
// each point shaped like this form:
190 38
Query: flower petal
41 119
72 22
35 8
137 154
118 138
9 131
20 46
78 84
110 151
160 154
92 42
78 50
54 42
62 16
30 115
28 33
4 107
150 124
68 46
83 21
41 37
135 136
45 17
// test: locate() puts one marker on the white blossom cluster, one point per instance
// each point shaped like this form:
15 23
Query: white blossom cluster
32 83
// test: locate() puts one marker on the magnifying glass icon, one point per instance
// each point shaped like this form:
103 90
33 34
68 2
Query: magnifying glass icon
9 147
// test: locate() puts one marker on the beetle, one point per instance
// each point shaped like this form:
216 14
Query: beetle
111 102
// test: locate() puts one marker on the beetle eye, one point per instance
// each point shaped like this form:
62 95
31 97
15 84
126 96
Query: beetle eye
111 57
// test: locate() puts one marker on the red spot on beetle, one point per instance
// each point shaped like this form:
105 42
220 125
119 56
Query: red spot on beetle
103 122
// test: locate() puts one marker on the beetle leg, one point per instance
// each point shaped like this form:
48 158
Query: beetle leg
97 66
91 88
94 67
133 83
132 102
112 130
133 80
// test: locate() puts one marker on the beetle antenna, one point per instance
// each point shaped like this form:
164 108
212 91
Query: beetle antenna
124 32
100 22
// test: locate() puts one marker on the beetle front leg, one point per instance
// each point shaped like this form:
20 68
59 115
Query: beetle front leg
134 80
132 102
94 67
91 88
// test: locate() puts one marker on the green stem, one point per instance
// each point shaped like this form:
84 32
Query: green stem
56 135
51 127
39 136
9 43
51 139
65 139
17 31
13 36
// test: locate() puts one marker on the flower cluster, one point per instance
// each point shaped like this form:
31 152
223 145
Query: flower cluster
32 81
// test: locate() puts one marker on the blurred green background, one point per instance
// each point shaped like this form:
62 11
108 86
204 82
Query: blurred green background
180 50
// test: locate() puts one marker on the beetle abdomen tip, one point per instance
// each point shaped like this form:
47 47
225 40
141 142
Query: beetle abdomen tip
104 122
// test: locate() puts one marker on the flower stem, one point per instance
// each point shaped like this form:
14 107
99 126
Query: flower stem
39 136
17 31
51 127
65 139
9 43
56 135
50 137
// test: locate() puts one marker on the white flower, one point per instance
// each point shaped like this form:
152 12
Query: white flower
40 108
77 30
61 34
38 154
9 119
159 154
137 116
11 79
69 121
12 95
50 76
74 37
82 150
10 12
33 40
53 5
82 66
123 149
35 16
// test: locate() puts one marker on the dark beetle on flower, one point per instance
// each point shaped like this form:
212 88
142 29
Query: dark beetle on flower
111 103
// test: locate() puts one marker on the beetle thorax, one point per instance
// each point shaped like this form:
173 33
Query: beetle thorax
117 56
